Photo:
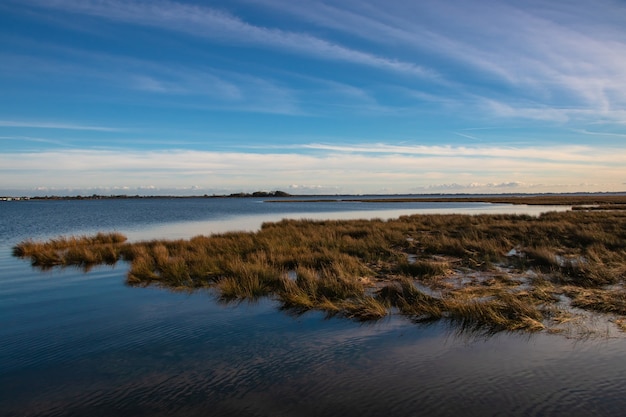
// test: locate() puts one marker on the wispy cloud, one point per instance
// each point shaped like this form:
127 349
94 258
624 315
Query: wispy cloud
560 57
58 125
211 87
31 139
562 67
559 64
467 136
224 27
562 153
492 187
596 133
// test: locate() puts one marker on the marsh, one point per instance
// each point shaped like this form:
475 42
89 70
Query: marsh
83 342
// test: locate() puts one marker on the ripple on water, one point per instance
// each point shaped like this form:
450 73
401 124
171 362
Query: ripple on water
76 344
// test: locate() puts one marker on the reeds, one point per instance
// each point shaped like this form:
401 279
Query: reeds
420 266
604 301
505 311
102 248
412 302
328 289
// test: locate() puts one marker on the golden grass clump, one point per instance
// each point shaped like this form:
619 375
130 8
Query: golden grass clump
424 268
364 309
248 280
102 248
504 311
604 301
323 289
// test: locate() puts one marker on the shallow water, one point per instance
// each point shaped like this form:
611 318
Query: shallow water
76 343
186 217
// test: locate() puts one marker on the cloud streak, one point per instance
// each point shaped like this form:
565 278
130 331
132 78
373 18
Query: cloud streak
223 27
559 153
550 54
334 169
156 82
57 125
560 65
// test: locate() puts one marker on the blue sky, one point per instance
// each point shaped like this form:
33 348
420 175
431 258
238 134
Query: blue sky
367 96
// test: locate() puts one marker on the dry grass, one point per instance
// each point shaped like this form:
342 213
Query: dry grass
102 248
601 300
504 311
427 267
412 302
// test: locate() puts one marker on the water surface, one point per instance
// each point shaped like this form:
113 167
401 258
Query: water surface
76 343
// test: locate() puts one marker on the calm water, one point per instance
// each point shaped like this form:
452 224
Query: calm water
74 343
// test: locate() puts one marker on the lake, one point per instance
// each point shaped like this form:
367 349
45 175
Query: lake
76 343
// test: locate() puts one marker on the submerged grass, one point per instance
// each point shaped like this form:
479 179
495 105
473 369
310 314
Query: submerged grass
489 272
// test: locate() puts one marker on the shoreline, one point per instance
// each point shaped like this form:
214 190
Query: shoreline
531 199
573 199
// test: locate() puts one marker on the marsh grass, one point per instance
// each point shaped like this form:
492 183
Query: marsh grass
505 311
102 248
426 267
364 309
411 301
600 300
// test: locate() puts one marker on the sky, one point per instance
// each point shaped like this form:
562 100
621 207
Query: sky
312 97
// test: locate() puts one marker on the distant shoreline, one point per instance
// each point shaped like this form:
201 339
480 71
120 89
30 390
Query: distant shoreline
256 194
605 200
615 199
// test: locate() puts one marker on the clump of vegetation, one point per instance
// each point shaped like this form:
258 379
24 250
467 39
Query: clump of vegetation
102 248
481 273
601 300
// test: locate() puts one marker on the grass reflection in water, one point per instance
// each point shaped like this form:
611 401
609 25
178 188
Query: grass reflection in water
485 273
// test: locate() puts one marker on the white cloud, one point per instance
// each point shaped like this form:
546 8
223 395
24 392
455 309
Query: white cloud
491 187
223 27
38 124
554 55
32 139
561 153
562 62
313 189
165 83
332 171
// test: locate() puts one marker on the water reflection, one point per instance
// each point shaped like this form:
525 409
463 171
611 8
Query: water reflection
180 230
78 344
190 357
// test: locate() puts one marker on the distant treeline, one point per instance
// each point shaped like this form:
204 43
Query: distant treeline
261 194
